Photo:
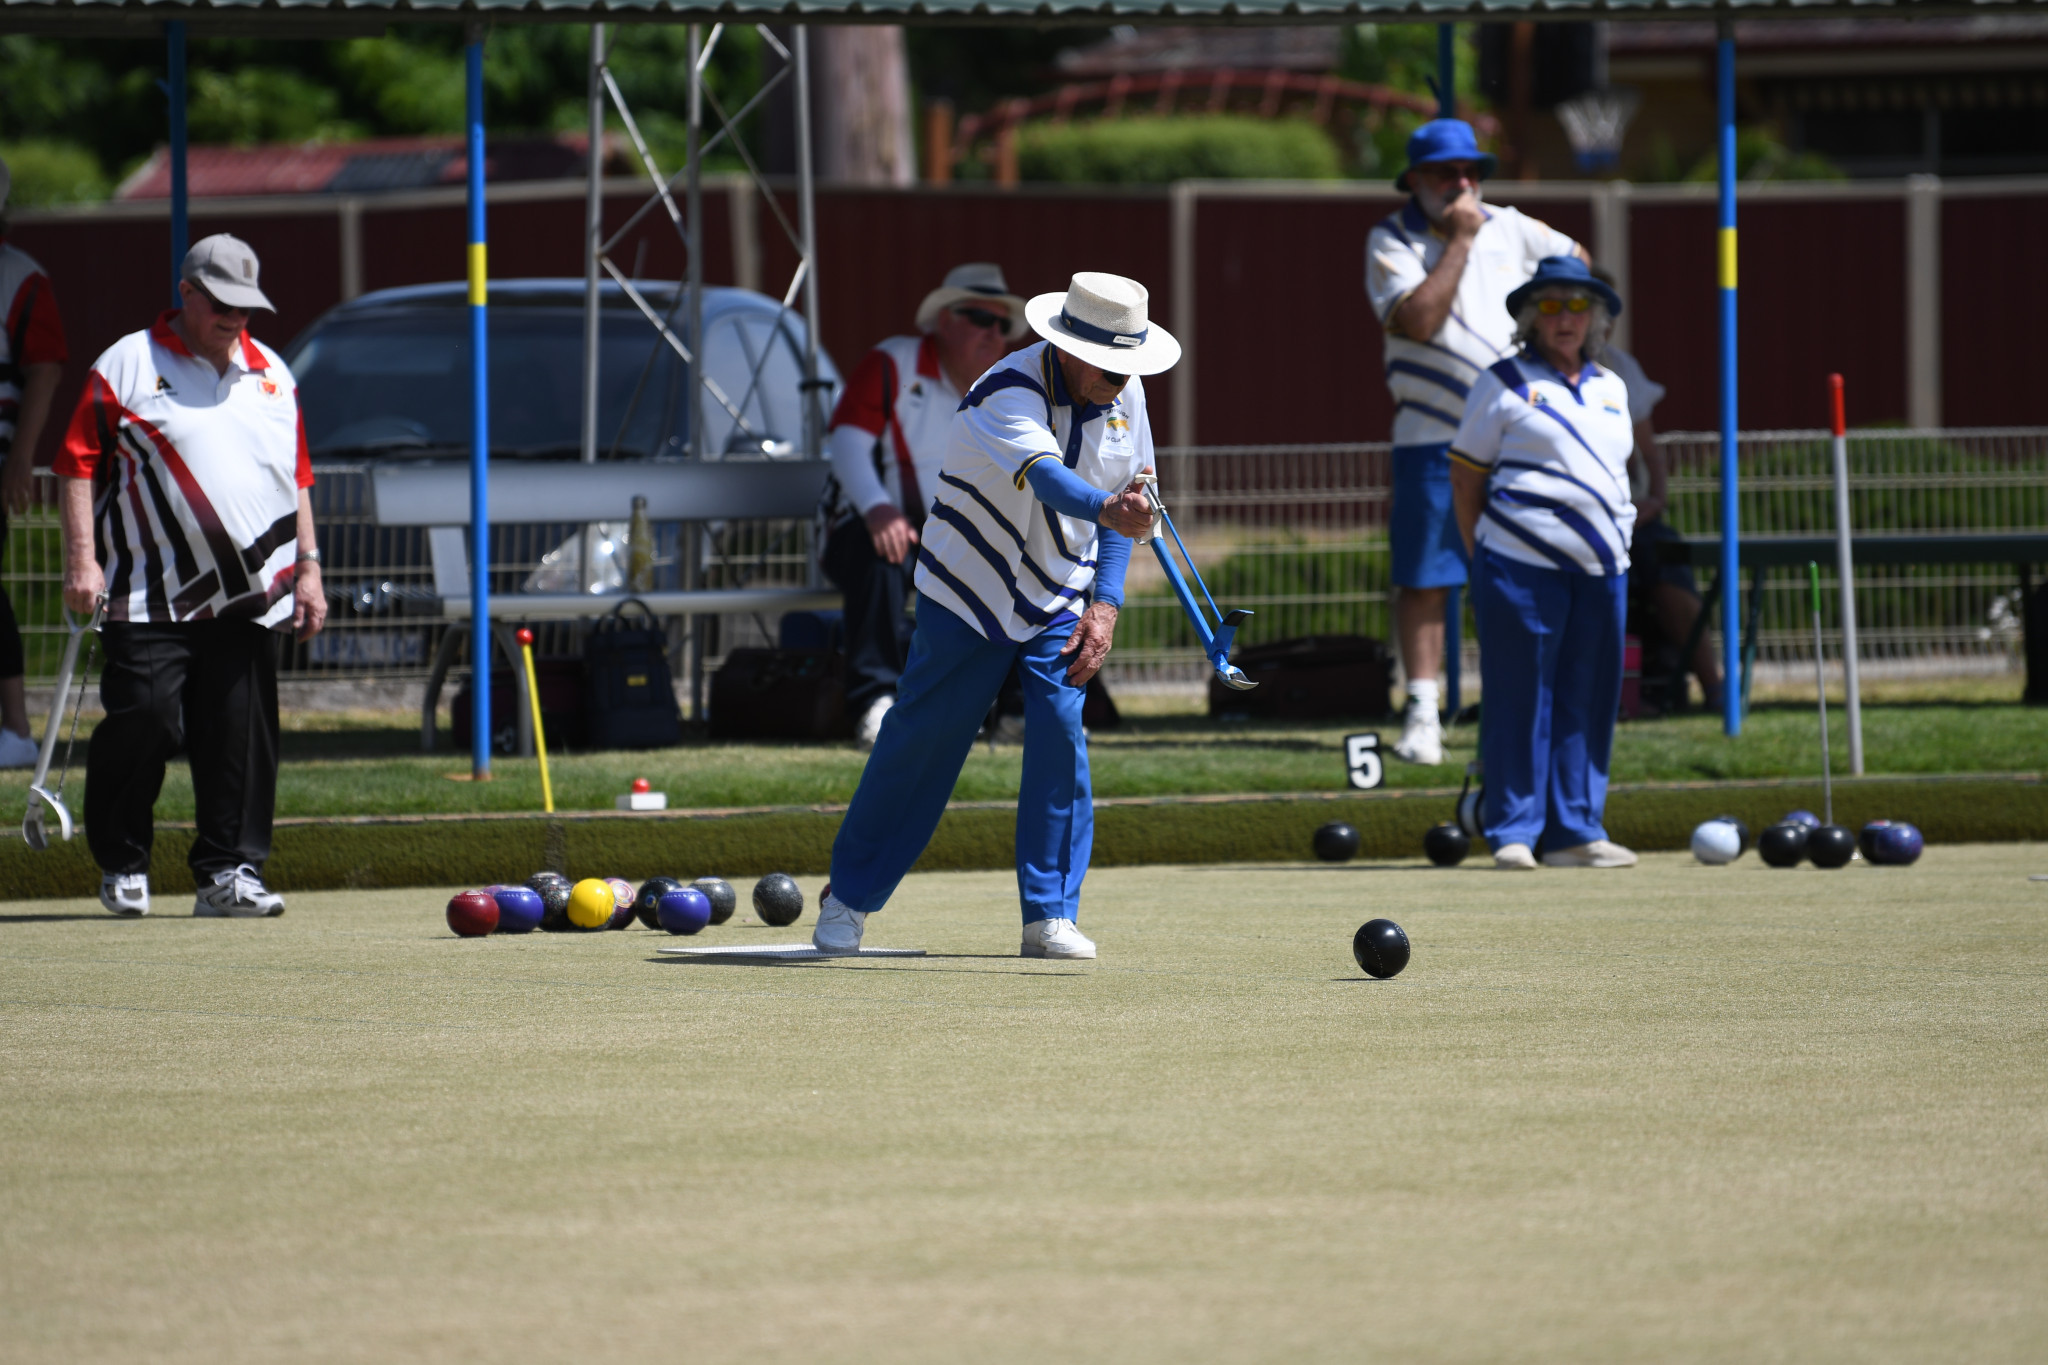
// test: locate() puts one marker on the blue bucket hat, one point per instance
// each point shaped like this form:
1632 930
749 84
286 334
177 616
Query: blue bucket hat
1570 272
1444 139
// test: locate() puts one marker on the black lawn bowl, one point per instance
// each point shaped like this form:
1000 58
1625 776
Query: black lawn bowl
647 905
1748 843
554 901
1446 845
1831 846
1336 842
778 900
1783 845
1380 947
724 900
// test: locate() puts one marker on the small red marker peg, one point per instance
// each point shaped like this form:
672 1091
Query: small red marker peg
641 784
524 636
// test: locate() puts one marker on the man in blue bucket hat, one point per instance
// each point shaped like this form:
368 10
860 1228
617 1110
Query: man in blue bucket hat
1438 273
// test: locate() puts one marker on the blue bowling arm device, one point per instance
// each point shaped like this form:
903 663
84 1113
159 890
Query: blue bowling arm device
1215 643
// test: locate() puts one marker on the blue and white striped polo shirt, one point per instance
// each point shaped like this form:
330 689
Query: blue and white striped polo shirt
993 554
1430 379
1557 455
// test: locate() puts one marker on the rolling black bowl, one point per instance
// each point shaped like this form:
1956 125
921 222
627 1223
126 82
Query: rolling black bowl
1446 845
1381 947
778 900
724 900
647 905
1783 845
1830 846
1336 842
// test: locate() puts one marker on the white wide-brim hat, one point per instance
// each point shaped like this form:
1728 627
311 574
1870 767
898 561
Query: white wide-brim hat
977 282
1101 319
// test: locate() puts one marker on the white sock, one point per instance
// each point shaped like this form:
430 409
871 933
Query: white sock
1425 695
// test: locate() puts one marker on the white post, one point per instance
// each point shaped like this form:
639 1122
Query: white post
807 226
1610 247
1182 249
593 245
1845 574
1923 301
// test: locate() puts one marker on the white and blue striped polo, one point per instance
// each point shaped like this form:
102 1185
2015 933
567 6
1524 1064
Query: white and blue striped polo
992 553
1557 457
1429 380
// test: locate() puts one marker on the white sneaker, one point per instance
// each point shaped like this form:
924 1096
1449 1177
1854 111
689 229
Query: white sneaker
238 893
125 894
1422 736
871 721
839 927
1599 853
1515 858
18 751
1055 938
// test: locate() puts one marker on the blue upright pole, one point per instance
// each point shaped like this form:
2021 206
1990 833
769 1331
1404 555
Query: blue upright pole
479 428
1454 606
1731 516
174 88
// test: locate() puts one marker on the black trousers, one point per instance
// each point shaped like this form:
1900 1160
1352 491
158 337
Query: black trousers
209 687
11 659
877 632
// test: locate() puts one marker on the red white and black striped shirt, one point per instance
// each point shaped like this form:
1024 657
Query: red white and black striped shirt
196 478
34 334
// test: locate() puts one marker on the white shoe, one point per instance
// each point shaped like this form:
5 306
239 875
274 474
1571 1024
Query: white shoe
125 894
1599 853
870 728
238 893
1515 858
839 927
1055 938
1422 736
18 751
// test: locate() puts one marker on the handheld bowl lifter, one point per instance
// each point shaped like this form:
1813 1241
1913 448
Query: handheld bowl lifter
1215 643
43 803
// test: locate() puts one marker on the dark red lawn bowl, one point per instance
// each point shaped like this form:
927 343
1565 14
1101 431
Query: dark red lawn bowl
472 914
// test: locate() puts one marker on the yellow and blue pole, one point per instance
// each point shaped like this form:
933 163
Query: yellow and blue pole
1731 515
174 90
479 427
1454 604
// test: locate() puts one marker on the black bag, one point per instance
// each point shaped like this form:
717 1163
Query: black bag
1311 677
780 694
629 697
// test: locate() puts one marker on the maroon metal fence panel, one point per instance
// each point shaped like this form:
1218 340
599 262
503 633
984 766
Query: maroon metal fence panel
1994 295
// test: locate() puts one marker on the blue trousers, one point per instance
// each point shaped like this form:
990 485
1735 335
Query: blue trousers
944 693
1550 657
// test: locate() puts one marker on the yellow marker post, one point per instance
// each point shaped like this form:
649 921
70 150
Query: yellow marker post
540 738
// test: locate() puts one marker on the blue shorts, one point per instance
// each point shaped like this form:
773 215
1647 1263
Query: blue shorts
1422 531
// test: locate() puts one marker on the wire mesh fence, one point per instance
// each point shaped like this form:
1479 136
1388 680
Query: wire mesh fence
1297 534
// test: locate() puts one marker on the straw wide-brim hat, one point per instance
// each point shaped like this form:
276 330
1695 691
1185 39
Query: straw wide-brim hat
978 282
1102 319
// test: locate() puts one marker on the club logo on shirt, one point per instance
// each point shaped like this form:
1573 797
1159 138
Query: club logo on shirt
1611 408
163 385
1536 397
269 387
1118 426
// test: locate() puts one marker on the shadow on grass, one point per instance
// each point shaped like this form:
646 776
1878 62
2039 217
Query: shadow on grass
868 965
102 917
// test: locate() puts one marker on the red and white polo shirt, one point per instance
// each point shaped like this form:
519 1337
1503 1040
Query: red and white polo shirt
196 478
34 335
899 385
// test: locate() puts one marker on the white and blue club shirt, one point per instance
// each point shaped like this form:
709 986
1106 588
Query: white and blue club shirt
1556 455
992 553
1429 380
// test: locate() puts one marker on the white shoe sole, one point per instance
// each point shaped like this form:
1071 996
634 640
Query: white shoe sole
124 911
1039 950
202 910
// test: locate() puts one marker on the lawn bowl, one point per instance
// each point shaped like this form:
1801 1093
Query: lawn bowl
519 909
1783 845
647 904
1830 846
1336 842
684 910
472 914
1717 842
1446 845
778 900
592 904
1898 844
1381 948
1748 841
724 900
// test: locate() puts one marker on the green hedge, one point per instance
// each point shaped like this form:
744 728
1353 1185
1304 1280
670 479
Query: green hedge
327 854
1158 151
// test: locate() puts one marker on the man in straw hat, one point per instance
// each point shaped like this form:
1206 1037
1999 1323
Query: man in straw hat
185 502
1022 563
889 436
1438 272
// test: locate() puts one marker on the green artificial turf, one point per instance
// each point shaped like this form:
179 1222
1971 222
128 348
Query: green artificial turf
1670 1114
374 767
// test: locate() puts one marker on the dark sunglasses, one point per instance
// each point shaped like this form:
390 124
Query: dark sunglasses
1117 379
218 306
981 317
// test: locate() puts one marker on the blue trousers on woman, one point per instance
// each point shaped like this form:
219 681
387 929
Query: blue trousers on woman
944 693
1550 659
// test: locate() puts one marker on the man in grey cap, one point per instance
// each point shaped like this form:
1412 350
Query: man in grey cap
186 507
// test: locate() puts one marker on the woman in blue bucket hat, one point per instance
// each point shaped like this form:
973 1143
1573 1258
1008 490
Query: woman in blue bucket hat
1438 272
1539 472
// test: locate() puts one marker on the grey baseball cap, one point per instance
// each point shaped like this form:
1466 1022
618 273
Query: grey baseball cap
225 267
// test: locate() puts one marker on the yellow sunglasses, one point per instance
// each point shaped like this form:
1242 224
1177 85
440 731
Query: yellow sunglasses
1550 308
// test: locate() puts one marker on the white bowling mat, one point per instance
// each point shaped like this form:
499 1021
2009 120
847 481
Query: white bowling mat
780 952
